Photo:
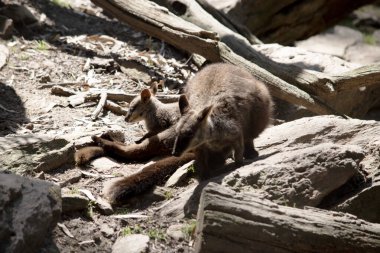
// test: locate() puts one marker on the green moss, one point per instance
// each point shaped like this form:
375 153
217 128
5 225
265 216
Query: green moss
61 3
369 39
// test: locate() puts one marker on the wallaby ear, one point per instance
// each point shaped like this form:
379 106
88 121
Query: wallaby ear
154 87
205 112
183 104
145 95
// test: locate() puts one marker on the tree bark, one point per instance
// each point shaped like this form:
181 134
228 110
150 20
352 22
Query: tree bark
316 91
232 222
288 20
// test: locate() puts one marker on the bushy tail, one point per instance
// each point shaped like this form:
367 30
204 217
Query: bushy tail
117 191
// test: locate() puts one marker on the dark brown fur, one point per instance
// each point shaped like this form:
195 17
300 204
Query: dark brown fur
116 191
224 109
86 154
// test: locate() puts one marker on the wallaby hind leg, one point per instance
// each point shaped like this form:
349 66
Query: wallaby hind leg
200 164
249 150
208 161
239 151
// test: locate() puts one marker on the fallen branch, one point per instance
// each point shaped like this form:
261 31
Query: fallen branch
115 108
99 108
159 22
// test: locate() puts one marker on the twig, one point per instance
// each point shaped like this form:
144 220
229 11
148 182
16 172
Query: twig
65 230
130 216
63 84
99 108
114 95
115 108
62 91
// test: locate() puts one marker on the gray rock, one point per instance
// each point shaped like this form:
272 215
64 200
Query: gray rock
363 54
104 206
104 164
376 35
301 163
4 55
22 154
304 59
106 230
136 243
29 210
365 204
301 177
179 175
333 42
175 232
74 202
71 177
177 209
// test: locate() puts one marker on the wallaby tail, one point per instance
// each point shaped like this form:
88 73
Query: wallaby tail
117 191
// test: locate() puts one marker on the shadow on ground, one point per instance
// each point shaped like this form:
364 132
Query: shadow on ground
12 110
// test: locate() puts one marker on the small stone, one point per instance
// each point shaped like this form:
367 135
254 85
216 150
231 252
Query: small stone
104 206
175 232
73 202
45 79
136 243
104 164
179 175
29 126
72 176
106 230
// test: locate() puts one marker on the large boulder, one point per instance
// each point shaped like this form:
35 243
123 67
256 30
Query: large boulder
29 210
22 154
299 177
302 163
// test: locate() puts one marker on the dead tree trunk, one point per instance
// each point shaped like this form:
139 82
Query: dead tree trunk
319 93
288 20
231 222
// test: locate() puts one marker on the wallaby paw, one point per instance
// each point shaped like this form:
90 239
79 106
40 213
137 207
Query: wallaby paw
98 140
250 154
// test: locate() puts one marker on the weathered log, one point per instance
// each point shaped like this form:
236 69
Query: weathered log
315 83
233 222
159 22
288 20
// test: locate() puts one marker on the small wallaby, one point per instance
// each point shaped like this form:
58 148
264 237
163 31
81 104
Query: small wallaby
158 116
224 108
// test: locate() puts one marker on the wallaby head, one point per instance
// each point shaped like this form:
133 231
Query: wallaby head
140 104
190 128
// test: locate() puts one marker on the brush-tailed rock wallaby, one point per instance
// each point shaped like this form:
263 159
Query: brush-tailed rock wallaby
158 116
224 108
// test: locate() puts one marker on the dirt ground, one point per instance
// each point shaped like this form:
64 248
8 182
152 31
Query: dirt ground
78 46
